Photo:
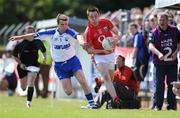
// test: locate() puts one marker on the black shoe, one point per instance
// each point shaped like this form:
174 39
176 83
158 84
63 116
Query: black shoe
172 108
96 89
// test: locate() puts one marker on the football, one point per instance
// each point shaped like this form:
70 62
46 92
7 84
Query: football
106 43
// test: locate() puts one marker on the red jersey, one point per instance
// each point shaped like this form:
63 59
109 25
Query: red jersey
96 34
124 76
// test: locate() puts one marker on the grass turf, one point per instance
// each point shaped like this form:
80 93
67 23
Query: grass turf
14 107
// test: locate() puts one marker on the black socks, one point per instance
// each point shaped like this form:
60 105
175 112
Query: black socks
30 93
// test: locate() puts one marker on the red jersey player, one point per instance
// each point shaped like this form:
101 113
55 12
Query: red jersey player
96 31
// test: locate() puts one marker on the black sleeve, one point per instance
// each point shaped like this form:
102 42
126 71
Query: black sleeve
41 46
16 50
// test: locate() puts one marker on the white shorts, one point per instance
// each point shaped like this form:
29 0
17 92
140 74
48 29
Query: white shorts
108 59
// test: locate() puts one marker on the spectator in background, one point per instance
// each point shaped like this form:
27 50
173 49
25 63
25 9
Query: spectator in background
9 72
139 21
164 44
26 54
153 21
177 19
140 55
151 74
171 19
96 31
135 11
126 40
126 86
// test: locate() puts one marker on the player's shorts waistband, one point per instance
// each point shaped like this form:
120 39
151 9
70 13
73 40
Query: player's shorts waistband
66 60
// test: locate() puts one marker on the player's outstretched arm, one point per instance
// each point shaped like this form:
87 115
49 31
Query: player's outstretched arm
25 36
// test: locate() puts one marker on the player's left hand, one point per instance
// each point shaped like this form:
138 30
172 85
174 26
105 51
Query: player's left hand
113 44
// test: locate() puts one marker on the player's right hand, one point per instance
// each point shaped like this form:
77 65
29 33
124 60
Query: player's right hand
86 46
161 56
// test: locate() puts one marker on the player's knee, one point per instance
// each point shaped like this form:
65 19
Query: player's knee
83 83
68 92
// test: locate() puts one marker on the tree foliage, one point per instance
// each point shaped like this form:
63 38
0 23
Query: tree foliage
14 11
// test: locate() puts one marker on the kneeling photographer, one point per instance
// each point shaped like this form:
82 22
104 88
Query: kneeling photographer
126 86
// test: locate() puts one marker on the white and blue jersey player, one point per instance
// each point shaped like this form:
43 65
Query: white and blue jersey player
62 51
63 54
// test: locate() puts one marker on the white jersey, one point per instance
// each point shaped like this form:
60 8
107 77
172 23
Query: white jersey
62 47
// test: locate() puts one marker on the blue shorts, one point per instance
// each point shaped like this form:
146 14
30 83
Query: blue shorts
67 68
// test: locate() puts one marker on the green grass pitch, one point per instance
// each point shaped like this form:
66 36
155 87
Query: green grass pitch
14 107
